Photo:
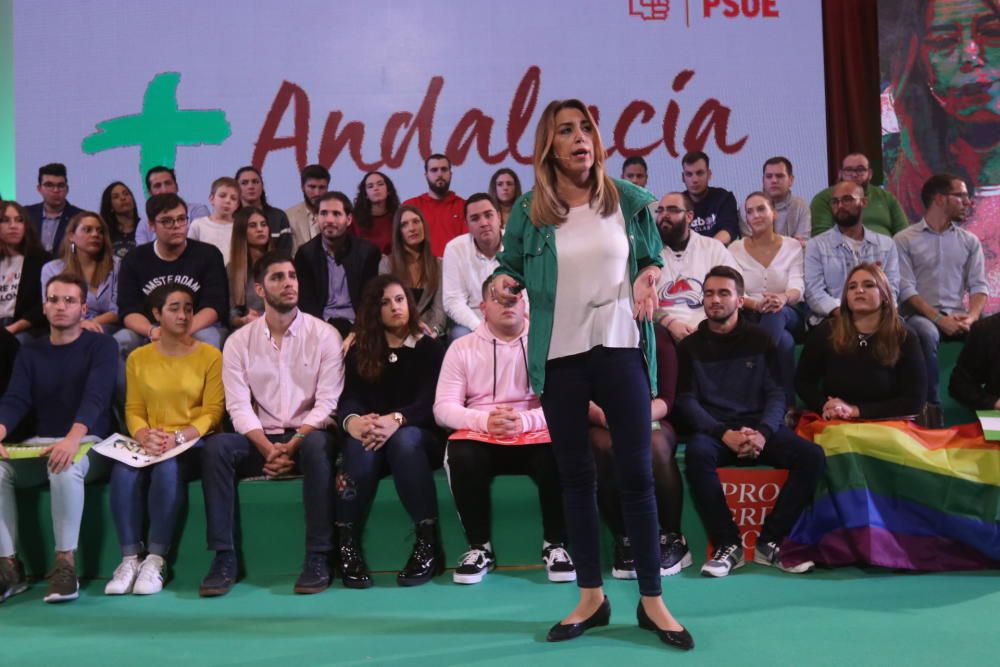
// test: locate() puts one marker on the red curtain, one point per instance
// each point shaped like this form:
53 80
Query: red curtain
850 49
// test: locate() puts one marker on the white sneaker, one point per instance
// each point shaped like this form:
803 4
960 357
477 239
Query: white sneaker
123 579
558 563
150 578
474 565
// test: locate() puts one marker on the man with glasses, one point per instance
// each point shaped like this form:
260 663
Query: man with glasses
66 378
163 180
171 258
831 255
939 264
51 215
883 213
687 258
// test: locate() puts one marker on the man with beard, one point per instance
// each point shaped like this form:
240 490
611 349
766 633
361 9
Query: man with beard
831 255
315 181
686 259
939 264
883 214
443 210
729 390
283 376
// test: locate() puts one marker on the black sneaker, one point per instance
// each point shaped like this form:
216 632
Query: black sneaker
315 575
221 575
724 560
769 554
63 584
674 554
624 564
12 579
474 565
558 563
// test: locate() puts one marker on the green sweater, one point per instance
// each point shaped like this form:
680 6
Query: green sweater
529 256
883 214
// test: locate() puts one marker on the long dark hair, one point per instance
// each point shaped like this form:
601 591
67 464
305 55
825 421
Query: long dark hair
363 207
239 254
397 255
493 184
263 194
371 350
108 212
29 243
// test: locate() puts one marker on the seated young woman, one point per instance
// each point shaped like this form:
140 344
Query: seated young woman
772 268
862 363
252 239
668 485
21 261
412 261
387 416
174 395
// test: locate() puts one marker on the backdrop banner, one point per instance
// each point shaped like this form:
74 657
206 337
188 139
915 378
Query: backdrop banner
940 63
112 88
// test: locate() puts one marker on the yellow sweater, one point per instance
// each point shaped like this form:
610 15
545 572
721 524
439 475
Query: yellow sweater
171 392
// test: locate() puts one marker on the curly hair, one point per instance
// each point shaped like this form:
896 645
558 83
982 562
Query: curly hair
370 347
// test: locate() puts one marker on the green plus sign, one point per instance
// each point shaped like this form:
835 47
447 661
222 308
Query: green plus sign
160 128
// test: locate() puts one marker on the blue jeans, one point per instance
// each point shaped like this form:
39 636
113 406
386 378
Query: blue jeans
159 490
930 337
230 456
784 327
410 455
615 379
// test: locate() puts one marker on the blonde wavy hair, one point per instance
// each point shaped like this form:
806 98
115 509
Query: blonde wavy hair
547 207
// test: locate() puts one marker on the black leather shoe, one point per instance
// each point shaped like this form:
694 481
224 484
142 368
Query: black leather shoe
678 639
353 569
427 558
560 632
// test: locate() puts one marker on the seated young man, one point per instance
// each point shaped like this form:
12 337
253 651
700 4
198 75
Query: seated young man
67 379
730 393
283 375
171 257
484 388
975 379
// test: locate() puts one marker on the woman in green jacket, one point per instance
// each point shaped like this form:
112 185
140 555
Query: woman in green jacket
584 344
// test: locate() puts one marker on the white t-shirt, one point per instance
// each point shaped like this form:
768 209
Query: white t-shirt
785 271
679 292
10 280
593 291
219 234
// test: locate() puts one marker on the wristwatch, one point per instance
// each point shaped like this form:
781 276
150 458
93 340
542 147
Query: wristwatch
398 418
179 439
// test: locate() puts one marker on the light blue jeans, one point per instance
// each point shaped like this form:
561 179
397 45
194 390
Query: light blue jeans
67 497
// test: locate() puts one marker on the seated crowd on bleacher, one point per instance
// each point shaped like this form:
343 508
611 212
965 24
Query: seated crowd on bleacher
342 339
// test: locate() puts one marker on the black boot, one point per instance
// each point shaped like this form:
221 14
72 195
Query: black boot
427 558
353 569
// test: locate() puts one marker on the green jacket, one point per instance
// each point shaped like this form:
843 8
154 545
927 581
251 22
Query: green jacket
529 256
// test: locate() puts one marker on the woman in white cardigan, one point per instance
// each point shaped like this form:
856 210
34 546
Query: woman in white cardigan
772 268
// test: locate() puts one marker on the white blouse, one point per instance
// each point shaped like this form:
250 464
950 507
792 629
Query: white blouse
785 272
593 291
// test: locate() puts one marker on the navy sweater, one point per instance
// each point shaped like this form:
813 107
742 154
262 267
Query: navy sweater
65 384
728 381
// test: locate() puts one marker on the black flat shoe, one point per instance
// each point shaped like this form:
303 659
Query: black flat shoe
678 639
560 632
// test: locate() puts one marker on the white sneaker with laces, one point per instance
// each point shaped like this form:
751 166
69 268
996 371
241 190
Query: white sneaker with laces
558 563
474 564
123 579
149 581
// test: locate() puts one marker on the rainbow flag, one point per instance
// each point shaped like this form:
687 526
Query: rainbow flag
899 496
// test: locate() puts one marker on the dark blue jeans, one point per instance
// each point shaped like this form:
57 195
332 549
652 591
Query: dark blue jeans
230 456
615 379
410 455
804 461
784 327
159 490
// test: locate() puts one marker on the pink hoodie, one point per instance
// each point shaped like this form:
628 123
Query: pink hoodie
481 372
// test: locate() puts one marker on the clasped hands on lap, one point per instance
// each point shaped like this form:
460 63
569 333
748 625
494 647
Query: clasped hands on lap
746 442
373 430
835 408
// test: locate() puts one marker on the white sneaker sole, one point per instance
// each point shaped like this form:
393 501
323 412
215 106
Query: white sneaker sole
55 597
562 577
719 575
801 568
469 578
14 590
146 591
687 561
623 574
108 590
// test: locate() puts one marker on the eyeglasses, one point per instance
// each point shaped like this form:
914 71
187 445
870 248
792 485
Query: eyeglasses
670 210
843 201
964 196
68 300
855 170
173 223
49 185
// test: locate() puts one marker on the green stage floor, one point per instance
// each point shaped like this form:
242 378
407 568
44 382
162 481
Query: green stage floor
756 616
